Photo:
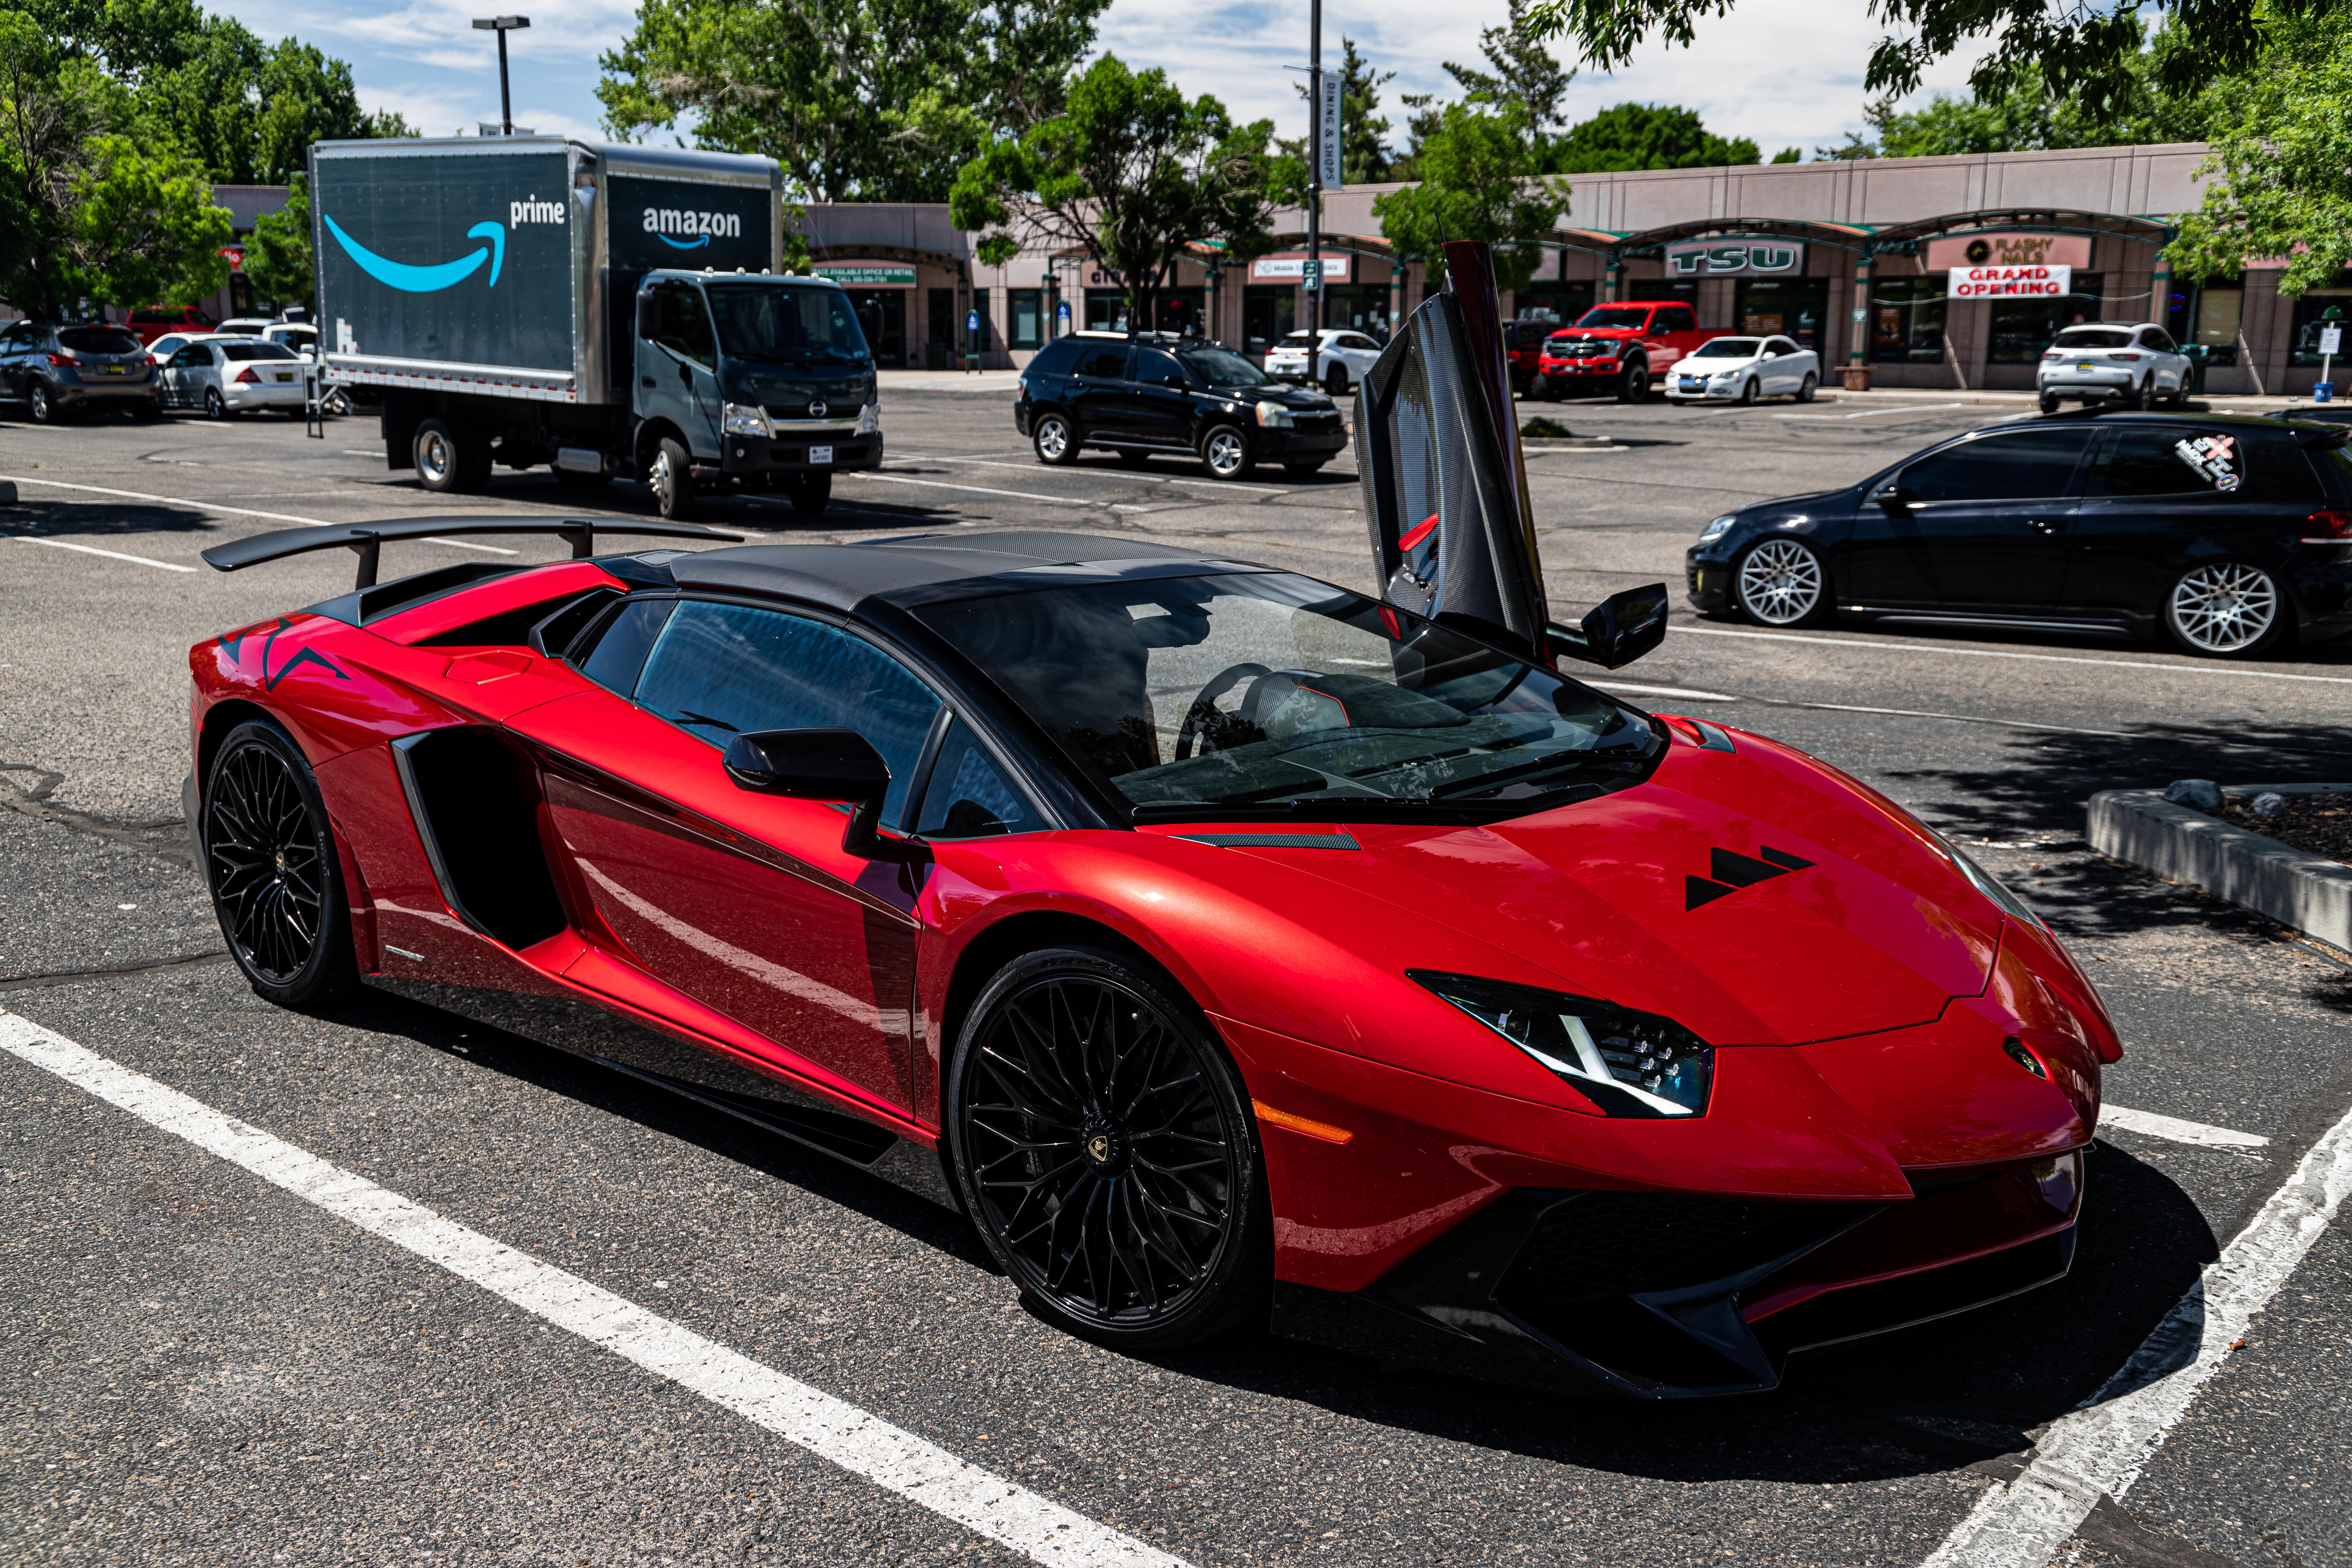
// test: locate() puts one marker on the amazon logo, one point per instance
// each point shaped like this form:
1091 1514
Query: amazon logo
413 278
1728 871
685 230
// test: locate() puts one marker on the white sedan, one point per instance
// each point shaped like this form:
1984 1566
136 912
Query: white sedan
1741 370
223 376
1345 356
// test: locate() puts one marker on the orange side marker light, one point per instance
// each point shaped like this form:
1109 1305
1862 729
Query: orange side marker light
1310 1128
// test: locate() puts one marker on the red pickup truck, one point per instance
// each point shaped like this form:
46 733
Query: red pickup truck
1623 348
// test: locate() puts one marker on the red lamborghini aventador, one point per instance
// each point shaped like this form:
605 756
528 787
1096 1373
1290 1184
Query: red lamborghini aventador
1226 944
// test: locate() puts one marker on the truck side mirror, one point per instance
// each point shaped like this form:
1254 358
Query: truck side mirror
1615 632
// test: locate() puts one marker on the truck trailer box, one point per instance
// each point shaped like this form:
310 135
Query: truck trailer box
509 265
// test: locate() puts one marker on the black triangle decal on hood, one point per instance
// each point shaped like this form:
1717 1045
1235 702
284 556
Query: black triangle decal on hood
1699 891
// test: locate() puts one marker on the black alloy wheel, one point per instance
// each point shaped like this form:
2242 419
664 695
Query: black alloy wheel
1055 438
1106 1147
1633 383
270 860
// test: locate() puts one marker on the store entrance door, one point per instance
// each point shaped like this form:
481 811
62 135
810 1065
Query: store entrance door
1269 314
1793 307
882 316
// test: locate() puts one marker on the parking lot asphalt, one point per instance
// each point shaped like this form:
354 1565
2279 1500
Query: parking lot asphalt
204 1364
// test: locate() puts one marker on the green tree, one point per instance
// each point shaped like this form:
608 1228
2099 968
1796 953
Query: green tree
1131 174
143 227
1364 157
859 100
1474 185
2028 115
1645 136
1519 70
2080 49
277 255
2283 155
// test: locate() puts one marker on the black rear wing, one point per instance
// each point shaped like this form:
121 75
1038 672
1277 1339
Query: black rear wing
367 539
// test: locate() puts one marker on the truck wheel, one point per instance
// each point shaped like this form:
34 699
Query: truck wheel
446 464
1634 386
671 477
810 494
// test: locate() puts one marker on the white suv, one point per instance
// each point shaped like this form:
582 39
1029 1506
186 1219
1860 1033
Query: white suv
1340 361
2134 363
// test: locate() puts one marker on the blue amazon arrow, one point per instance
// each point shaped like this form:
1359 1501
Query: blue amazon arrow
410 280
696 243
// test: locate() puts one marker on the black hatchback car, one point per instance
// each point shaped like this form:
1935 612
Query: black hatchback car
56 371
1153 394
2229 536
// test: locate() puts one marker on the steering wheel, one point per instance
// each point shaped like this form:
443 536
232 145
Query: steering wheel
1205 706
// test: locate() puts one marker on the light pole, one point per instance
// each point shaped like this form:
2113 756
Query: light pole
502 26
1314 187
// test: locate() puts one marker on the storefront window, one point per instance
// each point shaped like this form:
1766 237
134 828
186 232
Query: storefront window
1660 289
1106 309
1180 311
1359 307
1269 313
2021 329
2205 317
1906 321
2318 308
1024 318
1550 299
1793 307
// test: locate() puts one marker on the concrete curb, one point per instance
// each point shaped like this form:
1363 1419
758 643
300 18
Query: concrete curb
2308 892
1557 443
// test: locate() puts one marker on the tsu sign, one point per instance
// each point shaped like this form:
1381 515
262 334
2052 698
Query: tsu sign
1733 257
2010 282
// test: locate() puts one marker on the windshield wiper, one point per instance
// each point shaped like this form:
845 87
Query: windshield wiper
691 717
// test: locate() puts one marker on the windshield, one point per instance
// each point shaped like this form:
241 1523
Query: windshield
783 323
1300 339
256 351
99 340
1616 316
1261 694
2095 337
1728 348
1221 367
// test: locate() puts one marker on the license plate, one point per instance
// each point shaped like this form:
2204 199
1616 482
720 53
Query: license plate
2083 367
820 454
285 375
116 369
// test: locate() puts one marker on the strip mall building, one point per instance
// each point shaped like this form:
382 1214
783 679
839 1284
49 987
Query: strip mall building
1935 272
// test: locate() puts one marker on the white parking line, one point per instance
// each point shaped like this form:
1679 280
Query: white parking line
983 489
987 1504
172 501
2100 1448
2178 1130
1149 479
1872 412
1945 651
93 550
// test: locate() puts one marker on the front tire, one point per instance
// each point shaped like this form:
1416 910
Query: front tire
1224 453
1054 439
2227 609
1633 383
41 407
1748 392
1782 583
271 863
1106 1148
670 476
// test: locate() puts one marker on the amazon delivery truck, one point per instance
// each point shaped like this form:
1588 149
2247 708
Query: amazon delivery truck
608 311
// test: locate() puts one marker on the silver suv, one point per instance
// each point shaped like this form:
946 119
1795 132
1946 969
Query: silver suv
2134 363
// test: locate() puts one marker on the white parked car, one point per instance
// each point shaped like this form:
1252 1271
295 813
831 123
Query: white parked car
225 375
1345 356
299 336
1741 370
2135 364
170 343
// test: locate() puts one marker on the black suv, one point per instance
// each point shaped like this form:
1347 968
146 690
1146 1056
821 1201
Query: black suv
2230 537
1156 392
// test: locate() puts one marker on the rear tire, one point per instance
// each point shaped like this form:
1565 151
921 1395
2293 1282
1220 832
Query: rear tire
1054 439
810 494
2226 609
1812 384
670 476
1633 383
2049 403
446 464
2141 397
1335 381
1069 1167
270 864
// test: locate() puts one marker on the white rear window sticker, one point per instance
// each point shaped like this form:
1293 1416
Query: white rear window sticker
2215 459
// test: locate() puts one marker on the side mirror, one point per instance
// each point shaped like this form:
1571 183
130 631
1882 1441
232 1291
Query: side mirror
1178 381
820 765
1894 497
1615 632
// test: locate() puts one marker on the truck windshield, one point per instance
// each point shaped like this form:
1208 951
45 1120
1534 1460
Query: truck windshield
1620 316
783 323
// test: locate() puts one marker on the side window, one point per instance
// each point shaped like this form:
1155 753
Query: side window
1674 318
621 644
722 670
681 324
2018 466
1055 358
1781 346
1106 363
1154 366
969 796
194 355
2157 338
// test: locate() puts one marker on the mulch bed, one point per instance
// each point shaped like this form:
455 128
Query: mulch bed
2314 824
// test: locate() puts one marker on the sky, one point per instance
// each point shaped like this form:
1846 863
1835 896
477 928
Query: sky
1783 73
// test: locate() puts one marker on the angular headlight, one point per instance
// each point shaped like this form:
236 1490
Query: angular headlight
1719 528
745 419
1275 414
869 419
1984 881
1627 1063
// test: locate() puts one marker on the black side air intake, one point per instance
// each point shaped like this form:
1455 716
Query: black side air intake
476 801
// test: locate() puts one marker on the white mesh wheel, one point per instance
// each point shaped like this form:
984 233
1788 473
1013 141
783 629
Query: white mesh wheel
1780 582
2226 607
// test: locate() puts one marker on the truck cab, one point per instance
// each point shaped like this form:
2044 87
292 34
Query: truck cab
750 380
1620 347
